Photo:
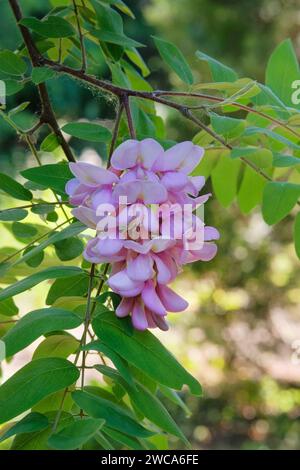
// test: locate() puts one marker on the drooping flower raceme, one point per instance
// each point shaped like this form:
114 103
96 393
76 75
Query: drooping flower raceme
145 211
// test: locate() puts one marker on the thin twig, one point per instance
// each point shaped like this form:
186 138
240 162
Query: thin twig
115 131
81 39
131 129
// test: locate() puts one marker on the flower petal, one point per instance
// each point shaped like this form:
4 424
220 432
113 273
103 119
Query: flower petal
92 175
151 299
125 155
150 151
140 268
171 301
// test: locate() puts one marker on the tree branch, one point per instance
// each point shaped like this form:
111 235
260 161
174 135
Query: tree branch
47 114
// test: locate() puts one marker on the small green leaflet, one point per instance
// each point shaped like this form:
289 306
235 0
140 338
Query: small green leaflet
297 234
8 308
11 64
34 382
13 188
31 281
261 157
274 135
70 231
49 144
224 179
32 422
227 126
174 59
10 215
50 27
56 345
87 131
76 434
278 200
219 71
69 248
282 71
41 74
54 176
114 415
38 323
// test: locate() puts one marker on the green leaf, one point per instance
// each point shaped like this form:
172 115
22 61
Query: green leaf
297 234
49 144
114 415
41 74
18 109
23 231
87 131
31 281
8 308
76 434
9 215
72 230
278 200
123 439
34 382
281 161
68 287
50 27
224 179
174 59
54 176
115 38
38 440
144 351
282 71
148 404
227 126
117 360
35 260
12 87
56 345
251 190
38 323
30 423
69 248
13 188
11 64
261 157
111 26
280 138
219 71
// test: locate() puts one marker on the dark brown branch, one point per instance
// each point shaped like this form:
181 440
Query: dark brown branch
47 114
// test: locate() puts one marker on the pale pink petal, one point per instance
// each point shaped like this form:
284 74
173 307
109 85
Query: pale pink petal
160 322
125 307
211 233
123 285
125 155
140 268
139 319
171 301
151 299
92 175
174 180
150 151
87 216
109 246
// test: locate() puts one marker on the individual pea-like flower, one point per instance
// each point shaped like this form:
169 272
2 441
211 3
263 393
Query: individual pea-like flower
138 209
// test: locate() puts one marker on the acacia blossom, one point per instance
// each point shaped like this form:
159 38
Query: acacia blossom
151 236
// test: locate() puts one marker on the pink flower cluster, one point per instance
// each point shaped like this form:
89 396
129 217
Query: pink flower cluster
143 266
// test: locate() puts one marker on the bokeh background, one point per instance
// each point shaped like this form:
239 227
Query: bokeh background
241 334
